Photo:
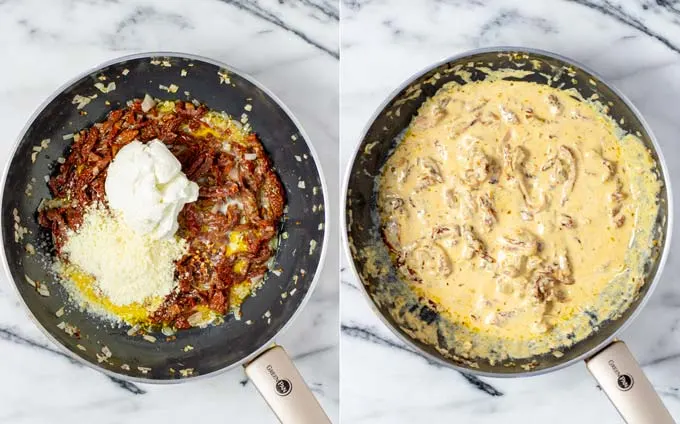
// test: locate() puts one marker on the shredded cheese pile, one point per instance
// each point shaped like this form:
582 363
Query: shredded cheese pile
127 267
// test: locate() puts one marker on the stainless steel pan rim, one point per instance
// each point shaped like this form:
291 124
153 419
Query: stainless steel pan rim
667 235
317 163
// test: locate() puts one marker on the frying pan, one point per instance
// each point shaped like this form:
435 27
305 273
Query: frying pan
246 341
608 360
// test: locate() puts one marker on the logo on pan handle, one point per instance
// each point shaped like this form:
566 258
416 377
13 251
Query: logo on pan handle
283 386
623 381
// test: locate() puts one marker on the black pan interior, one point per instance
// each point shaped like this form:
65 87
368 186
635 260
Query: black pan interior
263 315
363 228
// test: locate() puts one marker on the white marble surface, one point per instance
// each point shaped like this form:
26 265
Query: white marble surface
635 44
292 48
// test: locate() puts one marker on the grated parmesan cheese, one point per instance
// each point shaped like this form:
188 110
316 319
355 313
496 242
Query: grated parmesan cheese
128 267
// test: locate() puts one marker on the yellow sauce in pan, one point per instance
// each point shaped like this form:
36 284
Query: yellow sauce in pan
521 212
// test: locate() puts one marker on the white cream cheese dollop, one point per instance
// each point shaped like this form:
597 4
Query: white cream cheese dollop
145 183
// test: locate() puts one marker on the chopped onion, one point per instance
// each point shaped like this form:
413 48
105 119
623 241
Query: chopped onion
233 174
186 372
105 89
200 319
195 318
149 338
29 281
250 156
81 101
51 204
255 281
106 351
42 289
148 103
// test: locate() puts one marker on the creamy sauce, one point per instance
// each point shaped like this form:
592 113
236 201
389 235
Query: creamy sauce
519 210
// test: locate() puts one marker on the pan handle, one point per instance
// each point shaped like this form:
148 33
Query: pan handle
281 385
627 387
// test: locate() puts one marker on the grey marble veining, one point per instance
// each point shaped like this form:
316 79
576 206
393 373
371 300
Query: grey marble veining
292 48
636 46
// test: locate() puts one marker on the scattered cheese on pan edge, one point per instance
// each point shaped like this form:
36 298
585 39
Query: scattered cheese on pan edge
127 267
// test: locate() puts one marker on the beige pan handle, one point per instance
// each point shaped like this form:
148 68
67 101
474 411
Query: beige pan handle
626 385
284 389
